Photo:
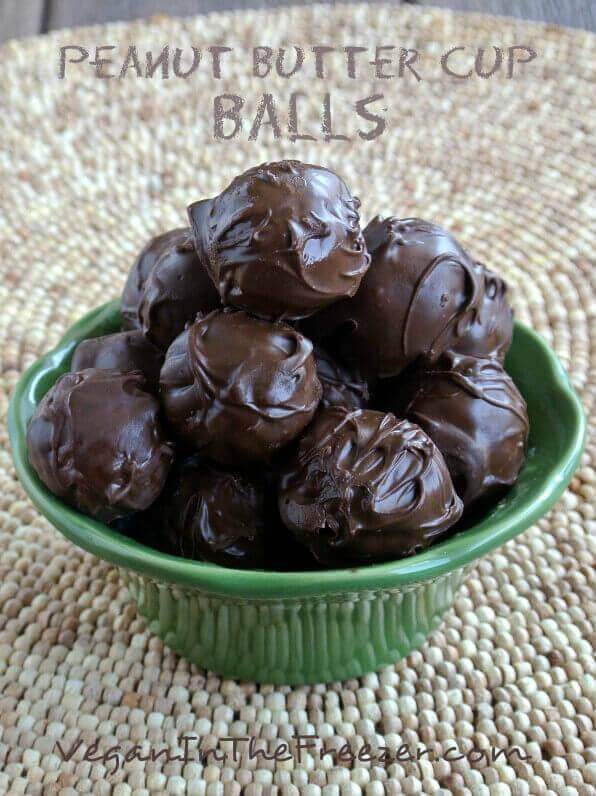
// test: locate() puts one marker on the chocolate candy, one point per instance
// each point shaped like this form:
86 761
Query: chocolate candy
419 296
238 388
213 515
95 441
488 332
125 351
340 387
177 288
476 416
365 487
139 272
282 240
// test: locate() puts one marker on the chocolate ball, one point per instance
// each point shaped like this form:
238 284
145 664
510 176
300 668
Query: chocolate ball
282 240
419 294
141 268
95 440
475 415
209 514
365 487
177 288
124 351
489 329
239 388
340 387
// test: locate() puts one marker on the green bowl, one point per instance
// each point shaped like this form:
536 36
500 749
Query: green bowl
307 627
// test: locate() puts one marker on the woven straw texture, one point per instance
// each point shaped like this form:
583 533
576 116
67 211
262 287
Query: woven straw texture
89 170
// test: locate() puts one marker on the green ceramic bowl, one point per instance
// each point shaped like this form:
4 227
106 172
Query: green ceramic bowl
311 627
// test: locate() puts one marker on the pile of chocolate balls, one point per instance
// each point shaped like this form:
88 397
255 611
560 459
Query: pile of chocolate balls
289 391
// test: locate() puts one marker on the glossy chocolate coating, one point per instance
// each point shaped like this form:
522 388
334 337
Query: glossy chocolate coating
177 288
419 294
365 487
96 441
238 388
125 351
282 240
141 268
490 328
209 514
340 387
476 416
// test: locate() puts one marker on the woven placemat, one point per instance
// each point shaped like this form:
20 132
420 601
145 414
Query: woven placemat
89 169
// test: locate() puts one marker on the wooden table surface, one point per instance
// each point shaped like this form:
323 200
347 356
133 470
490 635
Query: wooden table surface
28 17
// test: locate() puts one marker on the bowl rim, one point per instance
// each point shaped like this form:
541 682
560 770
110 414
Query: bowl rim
455 552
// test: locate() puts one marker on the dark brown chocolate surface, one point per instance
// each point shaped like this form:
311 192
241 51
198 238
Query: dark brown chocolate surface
421 295
340 387
209 514
489 331
238 388
124 351
282 240
96 441
140 270
476 416
365 487
177 288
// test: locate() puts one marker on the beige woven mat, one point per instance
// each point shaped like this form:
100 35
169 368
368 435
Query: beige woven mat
90 168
